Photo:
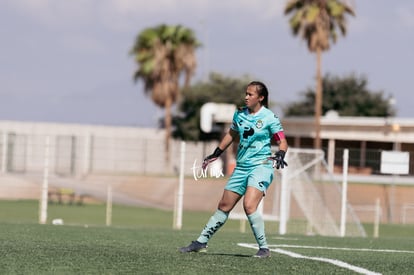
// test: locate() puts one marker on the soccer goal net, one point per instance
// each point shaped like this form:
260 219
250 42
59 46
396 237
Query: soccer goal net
305 199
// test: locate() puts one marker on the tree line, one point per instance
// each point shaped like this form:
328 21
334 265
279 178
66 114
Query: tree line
166 54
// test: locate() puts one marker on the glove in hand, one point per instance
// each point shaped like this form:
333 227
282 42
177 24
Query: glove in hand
211 158
278 160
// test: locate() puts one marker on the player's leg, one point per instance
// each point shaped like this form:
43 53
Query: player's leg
258 183
231 195
226 204
251 201
216 221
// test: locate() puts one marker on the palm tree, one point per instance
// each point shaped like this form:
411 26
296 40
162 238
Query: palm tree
163 53
316 22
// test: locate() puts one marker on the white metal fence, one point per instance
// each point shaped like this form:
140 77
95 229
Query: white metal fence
89 158
78 150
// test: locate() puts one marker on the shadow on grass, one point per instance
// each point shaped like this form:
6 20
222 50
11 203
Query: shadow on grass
229 254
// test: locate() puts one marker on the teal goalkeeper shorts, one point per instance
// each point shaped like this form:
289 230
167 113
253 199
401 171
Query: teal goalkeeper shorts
258 176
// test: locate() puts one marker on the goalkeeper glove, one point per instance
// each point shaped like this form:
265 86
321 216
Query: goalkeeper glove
278 159
211 158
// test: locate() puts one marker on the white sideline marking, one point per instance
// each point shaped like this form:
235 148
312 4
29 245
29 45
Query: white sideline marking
342 248
285 238
326 260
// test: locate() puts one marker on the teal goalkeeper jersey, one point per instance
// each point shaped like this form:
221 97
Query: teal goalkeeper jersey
255 131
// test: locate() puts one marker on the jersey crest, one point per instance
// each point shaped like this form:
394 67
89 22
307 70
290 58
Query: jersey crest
255 131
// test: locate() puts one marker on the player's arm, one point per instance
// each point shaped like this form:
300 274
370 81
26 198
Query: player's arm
225 142
279 157
228 138
281 141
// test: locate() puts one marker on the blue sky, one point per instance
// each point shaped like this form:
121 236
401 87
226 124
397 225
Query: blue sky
67 61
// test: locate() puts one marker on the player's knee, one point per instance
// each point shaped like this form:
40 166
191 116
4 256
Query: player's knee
249 208
225 206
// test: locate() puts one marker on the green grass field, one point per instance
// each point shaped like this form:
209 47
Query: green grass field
142 241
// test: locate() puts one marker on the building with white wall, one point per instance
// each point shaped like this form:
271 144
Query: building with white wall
365 137
77 150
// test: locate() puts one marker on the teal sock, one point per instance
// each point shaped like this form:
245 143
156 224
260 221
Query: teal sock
214 223
257 225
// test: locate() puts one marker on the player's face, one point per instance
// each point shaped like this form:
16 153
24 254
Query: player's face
252 99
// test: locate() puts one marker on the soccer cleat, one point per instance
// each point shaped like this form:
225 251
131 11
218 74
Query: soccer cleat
262 253
195 246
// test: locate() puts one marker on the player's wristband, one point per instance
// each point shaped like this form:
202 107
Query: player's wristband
217 152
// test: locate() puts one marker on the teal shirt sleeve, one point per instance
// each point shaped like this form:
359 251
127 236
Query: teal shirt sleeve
275 125
234 125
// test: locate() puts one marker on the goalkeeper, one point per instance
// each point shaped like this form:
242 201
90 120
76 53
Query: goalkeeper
253 126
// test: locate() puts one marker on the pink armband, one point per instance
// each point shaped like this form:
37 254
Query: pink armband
279 135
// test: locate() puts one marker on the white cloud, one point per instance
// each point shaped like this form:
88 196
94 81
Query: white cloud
163 7
274 9
406 16
55 13
128 7
125 14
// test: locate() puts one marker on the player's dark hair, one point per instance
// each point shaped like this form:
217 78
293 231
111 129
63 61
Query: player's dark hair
261 90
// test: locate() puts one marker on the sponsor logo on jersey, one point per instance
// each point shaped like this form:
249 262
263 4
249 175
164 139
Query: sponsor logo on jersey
259 124
248 132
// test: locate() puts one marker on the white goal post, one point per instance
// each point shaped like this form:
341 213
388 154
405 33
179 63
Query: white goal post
304 198
307 200
318 200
